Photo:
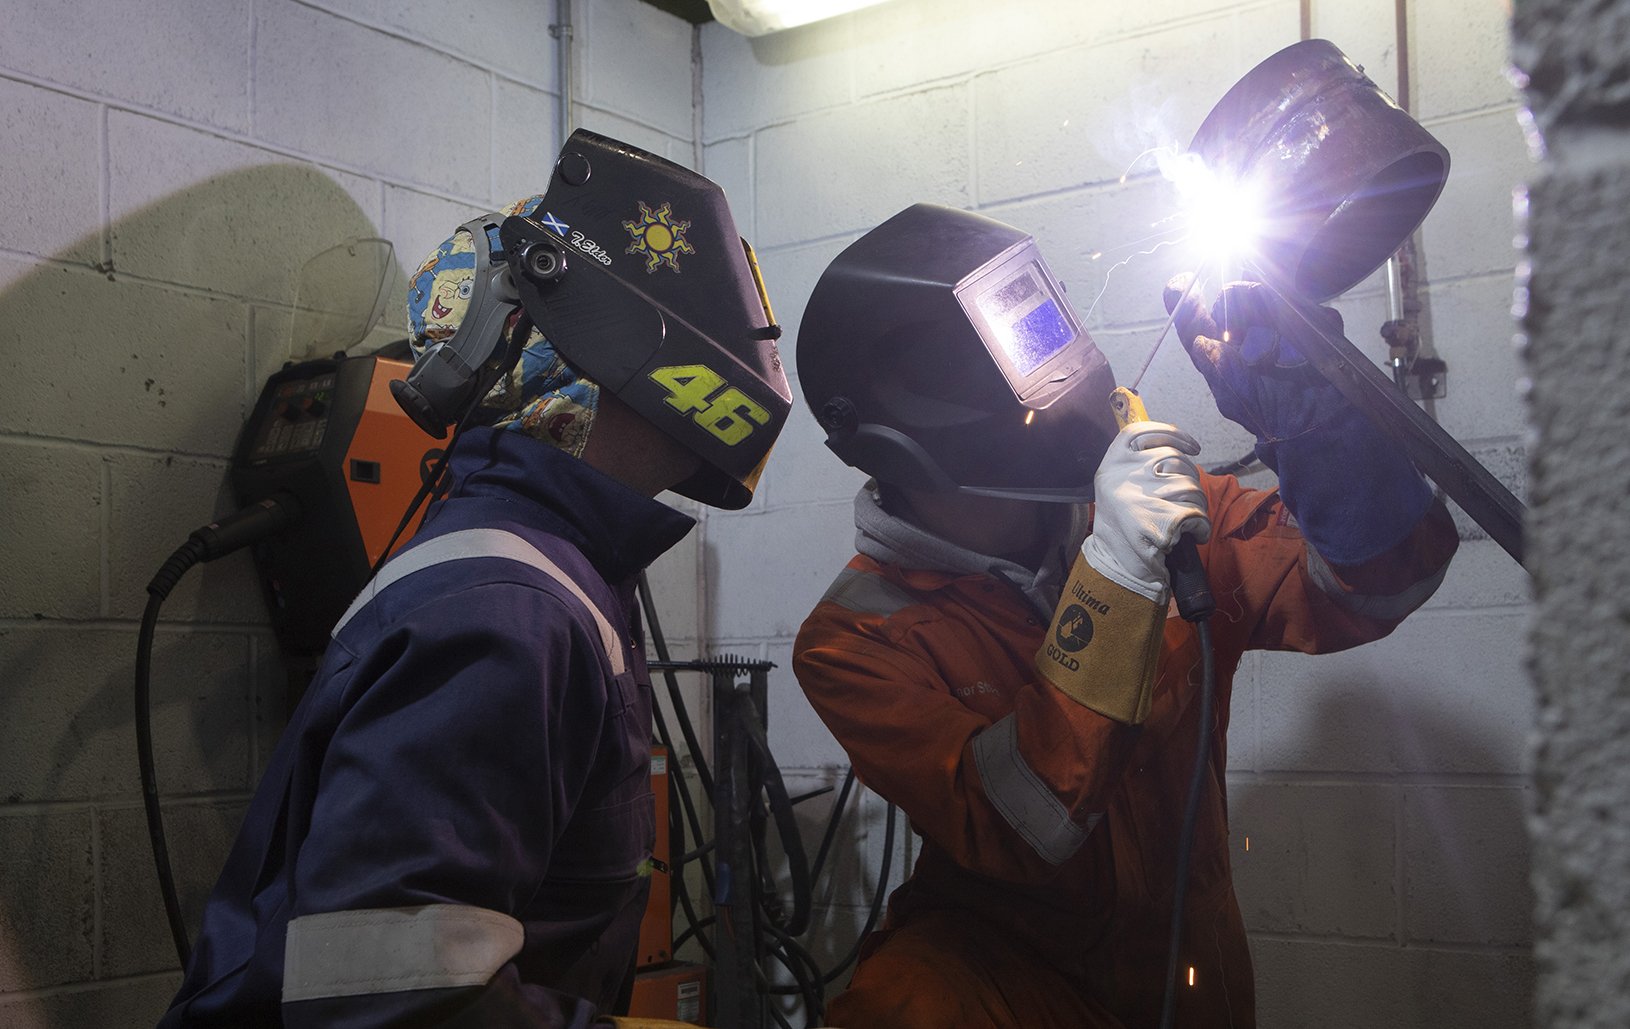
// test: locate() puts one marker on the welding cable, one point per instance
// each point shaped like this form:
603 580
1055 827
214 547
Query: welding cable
677 779
877 902
809 980
1234 467
519 333
217 539
144 756
831 828
806 987
700 852
680 712
681 891
1191 815
695 930
786 823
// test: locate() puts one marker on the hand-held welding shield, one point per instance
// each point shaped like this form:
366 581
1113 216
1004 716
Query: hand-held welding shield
633 269
939 354
1346 173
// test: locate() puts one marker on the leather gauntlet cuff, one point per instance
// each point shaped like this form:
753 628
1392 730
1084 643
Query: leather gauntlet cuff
1103 646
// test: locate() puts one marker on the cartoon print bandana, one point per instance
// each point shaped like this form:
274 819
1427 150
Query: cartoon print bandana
543 397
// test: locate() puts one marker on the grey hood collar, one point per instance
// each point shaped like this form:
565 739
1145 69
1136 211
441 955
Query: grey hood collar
890 540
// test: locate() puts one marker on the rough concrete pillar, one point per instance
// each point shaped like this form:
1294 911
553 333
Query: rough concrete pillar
1576 54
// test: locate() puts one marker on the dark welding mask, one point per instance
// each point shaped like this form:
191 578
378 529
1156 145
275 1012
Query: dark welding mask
632 269
939 354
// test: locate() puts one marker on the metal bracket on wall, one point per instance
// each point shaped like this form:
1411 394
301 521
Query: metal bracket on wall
1427 379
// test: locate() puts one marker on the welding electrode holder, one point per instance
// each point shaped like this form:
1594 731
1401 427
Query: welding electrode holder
1190 589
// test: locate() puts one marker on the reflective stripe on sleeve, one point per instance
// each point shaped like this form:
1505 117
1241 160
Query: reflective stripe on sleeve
469 543
1372 605
389 950
867 592
1022 798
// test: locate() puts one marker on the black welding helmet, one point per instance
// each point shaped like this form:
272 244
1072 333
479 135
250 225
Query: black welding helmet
632 268
939 354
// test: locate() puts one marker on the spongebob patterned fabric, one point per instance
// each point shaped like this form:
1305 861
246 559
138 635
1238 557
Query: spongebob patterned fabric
543 397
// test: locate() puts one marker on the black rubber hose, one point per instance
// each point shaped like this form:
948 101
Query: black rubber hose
677 776
1234 467
703 775
206 543
810 985
696 931
1191 815
831 828
807 986
187 555
877 903
786 823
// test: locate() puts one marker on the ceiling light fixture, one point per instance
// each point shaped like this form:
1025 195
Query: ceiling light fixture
762 17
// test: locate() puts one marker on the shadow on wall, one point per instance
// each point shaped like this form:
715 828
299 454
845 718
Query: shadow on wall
147 363
1412 899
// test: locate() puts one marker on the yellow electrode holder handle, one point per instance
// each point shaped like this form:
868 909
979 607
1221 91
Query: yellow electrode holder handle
1190 588
1128 407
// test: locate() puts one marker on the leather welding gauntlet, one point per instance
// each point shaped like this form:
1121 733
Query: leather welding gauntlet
1103 645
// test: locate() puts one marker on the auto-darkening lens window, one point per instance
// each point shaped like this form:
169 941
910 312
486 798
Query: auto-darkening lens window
1026 320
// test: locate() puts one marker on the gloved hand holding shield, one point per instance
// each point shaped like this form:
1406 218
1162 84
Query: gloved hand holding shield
1352 489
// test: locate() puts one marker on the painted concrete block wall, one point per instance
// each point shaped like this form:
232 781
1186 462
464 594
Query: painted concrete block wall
165 169
1571 303
1382 790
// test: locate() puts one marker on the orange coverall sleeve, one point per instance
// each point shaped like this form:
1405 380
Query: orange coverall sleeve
1274 592
887 688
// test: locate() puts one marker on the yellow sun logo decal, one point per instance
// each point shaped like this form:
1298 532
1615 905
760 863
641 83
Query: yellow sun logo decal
658 237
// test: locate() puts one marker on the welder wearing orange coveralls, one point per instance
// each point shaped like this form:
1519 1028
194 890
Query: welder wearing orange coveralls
1043 893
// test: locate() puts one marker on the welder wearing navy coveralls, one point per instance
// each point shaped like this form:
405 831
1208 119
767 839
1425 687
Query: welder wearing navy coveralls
457 825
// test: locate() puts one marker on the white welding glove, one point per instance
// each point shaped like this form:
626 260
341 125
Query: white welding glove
1148 495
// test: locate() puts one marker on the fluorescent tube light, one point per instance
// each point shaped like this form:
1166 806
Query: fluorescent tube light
762 17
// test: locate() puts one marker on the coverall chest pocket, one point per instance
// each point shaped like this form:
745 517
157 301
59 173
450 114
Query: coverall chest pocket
614 826
606 844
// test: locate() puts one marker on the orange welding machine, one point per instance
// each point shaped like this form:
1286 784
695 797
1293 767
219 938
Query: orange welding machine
329 433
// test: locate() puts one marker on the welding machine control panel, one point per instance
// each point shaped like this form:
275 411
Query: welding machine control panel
298 422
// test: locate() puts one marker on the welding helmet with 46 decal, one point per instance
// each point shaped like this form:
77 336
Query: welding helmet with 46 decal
631 268
939 354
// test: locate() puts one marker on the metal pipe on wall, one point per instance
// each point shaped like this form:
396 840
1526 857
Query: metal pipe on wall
1403 329
562 31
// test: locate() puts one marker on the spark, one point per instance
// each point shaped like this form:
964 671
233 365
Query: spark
1029 416
1247 843
1124 261
1146 153
1137 242
1191 975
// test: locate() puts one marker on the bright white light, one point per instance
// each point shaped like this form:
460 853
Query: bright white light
762 17
1224 217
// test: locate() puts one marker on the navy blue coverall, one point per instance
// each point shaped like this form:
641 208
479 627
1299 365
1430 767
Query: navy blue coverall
452 827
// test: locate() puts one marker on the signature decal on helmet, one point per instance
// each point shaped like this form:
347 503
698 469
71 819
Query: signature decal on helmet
658 237
729 414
